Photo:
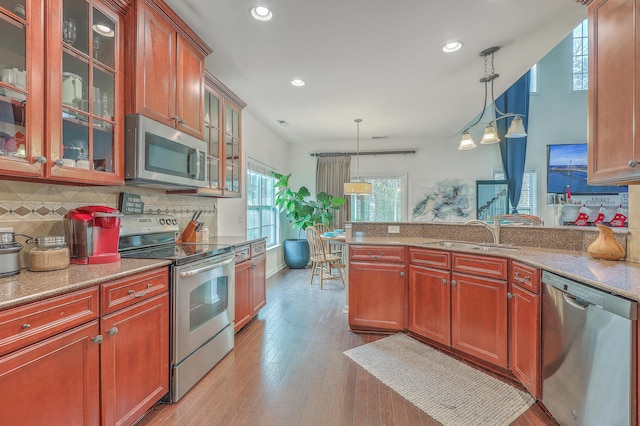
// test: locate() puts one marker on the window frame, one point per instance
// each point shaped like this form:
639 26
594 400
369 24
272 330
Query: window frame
373 176
583 30
498 174
275 213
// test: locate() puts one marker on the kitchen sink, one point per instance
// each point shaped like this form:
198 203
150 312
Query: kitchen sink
462 245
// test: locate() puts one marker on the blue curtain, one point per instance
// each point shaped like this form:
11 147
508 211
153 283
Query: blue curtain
514 150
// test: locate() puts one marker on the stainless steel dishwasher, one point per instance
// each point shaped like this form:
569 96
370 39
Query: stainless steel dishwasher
588 341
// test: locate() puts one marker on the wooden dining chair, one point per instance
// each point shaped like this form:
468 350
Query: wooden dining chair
323 262
525 219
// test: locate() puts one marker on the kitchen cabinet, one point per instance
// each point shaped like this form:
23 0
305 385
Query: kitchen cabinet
22 88
377 288
479 307
134 353
167 63
614 92
429 297
84 112
95 356
49 366
250 289
525 326
223 133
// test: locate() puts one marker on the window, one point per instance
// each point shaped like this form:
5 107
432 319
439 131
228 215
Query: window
262 213
386 202
533 83
528 203
581 56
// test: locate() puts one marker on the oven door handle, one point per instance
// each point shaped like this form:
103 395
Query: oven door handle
205 268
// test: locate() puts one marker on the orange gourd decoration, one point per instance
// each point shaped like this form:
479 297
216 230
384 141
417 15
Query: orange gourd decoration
606 246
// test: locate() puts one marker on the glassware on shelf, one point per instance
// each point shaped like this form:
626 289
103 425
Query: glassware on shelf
69 31
106 107
97 47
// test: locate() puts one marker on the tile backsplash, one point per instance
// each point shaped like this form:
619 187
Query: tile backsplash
37 210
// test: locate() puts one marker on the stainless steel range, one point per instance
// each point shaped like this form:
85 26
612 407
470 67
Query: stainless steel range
201 291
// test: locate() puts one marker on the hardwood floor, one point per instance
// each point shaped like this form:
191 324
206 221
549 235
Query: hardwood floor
288 368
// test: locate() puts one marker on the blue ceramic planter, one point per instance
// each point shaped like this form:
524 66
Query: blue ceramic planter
296 253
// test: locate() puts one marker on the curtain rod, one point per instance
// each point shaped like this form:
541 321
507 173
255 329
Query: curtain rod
351 153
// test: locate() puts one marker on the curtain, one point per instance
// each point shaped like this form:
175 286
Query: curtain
331 174
514 150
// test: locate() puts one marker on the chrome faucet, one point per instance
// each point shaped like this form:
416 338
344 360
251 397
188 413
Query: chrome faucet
494 229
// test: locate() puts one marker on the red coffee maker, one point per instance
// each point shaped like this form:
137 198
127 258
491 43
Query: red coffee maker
93 233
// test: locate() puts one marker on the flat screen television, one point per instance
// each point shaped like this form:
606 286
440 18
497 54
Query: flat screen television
567 165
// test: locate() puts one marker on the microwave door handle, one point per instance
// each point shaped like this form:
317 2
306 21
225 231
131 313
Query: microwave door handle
192 162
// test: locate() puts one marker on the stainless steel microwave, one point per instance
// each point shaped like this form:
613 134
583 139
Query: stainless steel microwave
160 156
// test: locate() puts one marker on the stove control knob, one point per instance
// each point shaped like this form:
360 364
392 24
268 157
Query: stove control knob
174 221
161 221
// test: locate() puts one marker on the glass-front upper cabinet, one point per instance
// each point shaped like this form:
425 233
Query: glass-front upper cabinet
21 88
212 118
85 119
232 148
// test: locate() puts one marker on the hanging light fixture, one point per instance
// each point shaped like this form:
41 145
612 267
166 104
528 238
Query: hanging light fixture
357 188
490 135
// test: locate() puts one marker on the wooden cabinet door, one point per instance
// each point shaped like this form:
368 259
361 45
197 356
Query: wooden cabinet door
155 67
22 91
377 295
479 317
613 93
258 283
430 303
53 382
190 89
524 325
243 311
134 360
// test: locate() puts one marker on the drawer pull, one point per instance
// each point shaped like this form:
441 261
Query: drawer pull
402 274
113 331
376 256
140 293
97 340
25 326
522 280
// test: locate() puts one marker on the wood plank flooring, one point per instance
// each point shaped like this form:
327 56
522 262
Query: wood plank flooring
288 368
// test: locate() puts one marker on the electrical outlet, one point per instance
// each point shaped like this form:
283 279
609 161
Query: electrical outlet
393 229
239 218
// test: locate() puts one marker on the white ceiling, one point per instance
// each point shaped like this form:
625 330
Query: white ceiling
379 60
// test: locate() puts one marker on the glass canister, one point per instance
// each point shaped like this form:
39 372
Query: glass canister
49 254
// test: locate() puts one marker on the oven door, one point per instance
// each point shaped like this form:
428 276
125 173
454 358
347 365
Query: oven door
203 301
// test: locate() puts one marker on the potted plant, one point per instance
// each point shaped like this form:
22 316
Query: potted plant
302 212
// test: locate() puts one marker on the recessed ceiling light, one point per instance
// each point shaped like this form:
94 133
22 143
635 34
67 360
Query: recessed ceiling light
103 30
261 13
452 46
297 82
282 122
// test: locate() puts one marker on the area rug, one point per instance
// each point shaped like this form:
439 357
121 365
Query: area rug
448 390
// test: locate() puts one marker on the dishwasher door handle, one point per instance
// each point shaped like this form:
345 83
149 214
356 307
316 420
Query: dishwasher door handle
574 302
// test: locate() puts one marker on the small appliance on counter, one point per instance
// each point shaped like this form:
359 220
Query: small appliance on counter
93 233
9 253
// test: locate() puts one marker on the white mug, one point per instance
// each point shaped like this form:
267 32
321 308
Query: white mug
68 162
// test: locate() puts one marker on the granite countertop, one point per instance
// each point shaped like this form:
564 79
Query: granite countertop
233 241
30 286
617 277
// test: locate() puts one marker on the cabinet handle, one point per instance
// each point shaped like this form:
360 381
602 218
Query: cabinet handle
183 121
140 293
41 159
376 256
97 340
522 280
509 295
253 266
25 326
113 331
58 162
632 163
176 118
402 274
453 282
444 281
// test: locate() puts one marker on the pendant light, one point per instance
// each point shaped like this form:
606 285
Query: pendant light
490 135
357 188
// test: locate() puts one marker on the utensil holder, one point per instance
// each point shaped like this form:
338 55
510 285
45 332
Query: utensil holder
189 234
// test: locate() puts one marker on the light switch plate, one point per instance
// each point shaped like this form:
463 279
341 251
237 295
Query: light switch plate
393 229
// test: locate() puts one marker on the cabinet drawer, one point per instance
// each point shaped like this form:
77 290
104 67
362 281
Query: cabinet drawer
128 291
484 266
525 276
258 248
243 253
27 324
377 253
433 258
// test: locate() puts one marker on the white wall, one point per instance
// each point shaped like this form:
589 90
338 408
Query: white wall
557 115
